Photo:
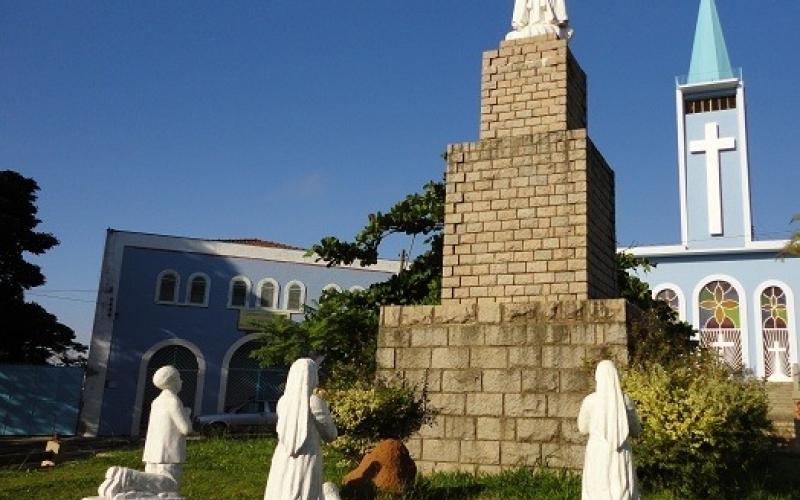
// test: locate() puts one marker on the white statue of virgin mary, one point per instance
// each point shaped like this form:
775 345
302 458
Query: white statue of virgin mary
540 17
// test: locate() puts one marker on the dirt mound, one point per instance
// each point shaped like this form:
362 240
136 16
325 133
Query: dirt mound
387 468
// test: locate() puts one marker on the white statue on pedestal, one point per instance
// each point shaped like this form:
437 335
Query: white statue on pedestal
303 422
540 17
164 448
609 417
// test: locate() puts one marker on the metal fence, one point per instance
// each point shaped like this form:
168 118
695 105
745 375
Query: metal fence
39 400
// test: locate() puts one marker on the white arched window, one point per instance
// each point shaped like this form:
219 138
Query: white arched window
197 290
673 296
239 292
332 287
720 315
356 288
267 293
774 303
295 296
167 287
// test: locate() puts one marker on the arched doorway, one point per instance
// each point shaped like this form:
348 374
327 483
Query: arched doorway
248 381
186 362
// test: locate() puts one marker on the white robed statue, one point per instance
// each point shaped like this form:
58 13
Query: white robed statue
164 448
540 17
609 417
304 420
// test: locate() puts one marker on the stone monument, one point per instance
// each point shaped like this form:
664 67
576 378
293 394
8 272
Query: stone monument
529 279
164 448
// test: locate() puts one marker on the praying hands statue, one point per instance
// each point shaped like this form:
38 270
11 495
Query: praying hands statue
540 17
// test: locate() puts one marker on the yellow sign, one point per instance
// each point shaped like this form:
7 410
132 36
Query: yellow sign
251 320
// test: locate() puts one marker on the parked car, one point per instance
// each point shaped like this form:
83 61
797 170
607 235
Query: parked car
240 417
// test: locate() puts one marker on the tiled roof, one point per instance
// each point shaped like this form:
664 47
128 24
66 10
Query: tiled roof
261 243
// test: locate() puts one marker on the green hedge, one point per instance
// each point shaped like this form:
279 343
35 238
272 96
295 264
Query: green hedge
367 412
704 429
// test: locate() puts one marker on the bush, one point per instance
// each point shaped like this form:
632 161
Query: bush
704 429
367 412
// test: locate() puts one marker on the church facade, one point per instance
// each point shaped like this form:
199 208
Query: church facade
195 304
737 291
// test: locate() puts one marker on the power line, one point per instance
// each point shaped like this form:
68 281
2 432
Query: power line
69 299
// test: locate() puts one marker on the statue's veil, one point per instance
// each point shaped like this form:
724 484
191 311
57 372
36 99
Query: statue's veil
610 418
295 413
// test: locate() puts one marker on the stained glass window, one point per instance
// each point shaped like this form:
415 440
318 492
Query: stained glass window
670 296
719 306
773 308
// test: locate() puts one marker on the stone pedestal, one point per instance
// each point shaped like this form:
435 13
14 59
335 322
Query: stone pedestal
529 208
529 276
507 379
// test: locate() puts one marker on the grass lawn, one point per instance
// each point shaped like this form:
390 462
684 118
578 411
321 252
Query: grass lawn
237 468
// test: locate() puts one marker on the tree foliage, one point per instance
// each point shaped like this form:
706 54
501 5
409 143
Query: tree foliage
343 328
657 335
30 334
704 429
793 246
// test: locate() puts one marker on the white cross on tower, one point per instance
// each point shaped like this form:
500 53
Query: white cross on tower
778 370
712 145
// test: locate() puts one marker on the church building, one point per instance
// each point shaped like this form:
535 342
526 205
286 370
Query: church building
737 291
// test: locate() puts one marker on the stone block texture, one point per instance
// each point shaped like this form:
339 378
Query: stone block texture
507 380
531 86
529 210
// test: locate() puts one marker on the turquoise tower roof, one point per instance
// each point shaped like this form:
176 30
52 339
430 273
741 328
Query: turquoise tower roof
710 60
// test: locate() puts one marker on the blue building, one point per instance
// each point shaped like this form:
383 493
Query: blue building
733 288
192 303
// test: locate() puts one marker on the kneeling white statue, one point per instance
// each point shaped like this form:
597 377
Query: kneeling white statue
304 421
609 417
164 448
540 17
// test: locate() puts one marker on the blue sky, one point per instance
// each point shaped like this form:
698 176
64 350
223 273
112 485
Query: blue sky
291 120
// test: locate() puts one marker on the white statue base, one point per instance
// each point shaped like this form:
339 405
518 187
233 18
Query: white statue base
564 33
158 482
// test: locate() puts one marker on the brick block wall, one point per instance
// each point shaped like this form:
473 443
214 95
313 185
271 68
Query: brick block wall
531 86
529 210
507 379
528 217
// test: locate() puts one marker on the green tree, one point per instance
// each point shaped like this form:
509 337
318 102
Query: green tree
657 334
30 334
343 328
793 246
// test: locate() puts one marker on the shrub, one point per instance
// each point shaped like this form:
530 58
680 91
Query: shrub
704 429
367 412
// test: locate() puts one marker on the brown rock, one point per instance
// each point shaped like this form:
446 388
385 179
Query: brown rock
387 468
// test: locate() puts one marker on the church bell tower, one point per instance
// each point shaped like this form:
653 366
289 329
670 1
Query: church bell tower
712 143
